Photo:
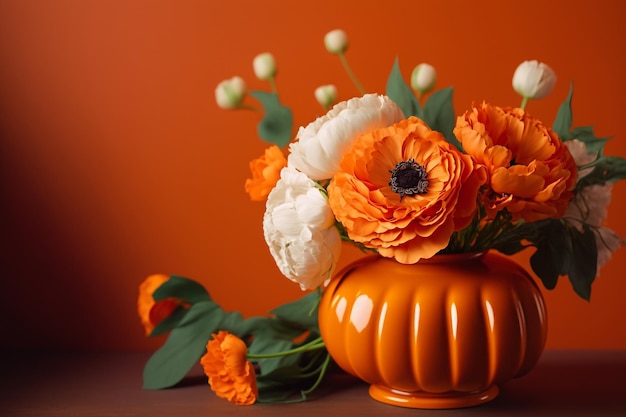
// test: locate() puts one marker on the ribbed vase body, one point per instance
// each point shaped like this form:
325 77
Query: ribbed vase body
438 334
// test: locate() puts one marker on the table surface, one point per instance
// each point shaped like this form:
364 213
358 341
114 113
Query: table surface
103 384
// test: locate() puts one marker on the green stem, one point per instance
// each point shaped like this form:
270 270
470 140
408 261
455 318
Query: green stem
273 84
312 345
319 377
356 82
524 102
247 107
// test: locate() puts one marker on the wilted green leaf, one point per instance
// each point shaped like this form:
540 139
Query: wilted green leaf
192 329
277 123
401 94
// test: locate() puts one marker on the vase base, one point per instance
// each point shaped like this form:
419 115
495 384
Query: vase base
420 399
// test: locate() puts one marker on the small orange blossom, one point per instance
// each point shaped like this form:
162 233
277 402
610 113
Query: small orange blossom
265 173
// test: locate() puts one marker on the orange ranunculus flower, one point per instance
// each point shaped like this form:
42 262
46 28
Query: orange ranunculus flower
265 173
531 172
230 374
150 312
404 190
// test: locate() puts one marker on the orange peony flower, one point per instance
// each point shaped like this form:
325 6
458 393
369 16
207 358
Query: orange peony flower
531 172
150 312
265 173
404 190
230 374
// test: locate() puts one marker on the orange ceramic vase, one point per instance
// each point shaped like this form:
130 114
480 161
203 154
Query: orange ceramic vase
438 334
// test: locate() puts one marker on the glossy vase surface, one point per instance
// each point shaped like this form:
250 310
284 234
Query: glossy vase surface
443 333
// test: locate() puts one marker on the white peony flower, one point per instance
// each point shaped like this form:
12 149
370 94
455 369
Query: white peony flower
336 41
264 66
321 145
230 93
326 95
423 78
533 79
300 231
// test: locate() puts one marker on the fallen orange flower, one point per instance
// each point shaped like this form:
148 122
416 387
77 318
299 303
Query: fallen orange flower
231 375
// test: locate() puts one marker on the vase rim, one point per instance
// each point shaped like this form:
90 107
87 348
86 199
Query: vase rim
450 257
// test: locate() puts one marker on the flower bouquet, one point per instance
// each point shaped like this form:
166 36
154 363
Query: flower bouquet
399 174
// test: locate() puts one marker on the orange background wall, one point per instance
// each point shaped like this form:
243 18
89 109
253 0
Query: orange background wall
116 163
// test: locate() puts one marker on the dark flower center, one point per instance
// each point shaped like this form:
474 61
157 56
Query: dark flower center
408 178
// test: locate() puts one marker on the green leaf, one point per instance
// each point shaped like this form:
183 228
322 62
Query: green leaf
293 378
584 261
564 117
265 342
182 349
593 144
277 123
439 114
510 247
302 312
401 94
551 256
605 169
182 288
170 321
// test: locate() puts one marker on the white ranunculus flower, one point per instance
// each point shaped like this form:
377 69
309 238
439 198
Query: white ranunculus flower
264 66
336 41
230 93
423 78
533 79
299 229
320 146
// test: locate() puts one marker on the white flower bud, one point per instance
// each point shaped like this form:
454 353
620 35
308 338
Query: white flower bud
336 41
326 95
423 78
230 93
264 66
533 79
